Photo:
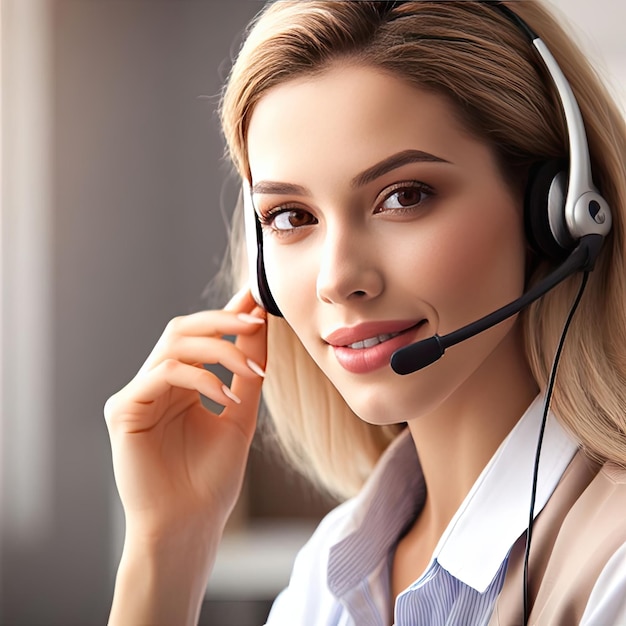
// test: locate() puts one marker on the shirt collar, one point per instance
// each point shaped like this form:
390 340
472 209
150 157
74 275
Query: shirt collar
492 517
496 511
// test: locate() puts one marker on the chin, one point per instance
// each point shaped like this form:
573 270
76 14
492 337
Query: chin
393 399
384 405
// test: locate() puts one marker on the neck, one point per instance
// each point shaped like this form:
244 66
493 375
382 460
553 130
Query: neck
456 441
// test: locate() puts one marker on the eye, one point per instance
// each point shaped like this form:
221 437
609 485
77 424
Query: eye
403 197
285 219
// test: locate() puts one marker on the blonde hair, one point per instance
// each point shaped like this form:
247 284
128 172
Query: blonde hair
471 54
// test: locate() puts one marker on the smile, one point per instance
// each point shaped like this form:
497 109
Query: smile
372 341
368 347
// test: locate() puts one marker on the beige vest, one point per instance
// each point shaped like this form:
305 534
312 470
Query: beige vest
580 528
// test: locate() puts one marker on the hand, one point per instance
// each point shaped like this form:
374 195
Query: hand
177 464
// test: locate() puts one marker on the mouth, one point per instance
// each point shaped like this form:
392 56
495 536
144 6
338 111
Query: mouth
368 347
370 334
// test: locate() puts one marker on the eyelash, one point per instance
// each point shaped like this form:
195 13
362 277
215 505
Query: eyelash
267 218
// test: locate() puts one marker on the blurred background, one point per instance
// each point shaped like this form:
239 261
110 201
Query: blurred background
115 199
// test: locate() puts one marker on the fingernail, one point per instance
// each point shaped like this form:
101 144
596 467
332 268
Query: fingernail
250 319
230 394
256 368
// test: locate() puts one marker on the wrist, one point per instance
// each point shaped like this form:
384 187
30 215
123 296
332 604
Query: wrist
162 580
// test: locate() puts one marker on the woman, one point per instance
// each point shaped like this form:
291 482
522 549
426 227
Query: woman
387 149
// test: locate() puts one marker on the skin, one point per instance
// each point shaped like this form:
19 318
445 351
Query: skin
341 251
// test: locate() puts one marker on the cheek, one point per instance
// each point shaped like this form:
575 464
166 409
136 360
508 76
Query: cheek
291 277
497 263
468 270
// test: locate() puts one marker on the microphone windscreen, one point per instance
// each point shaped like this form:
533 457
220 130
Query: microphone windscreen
417 355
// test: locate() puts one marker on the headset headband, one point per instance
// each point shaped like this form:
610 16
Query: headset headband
585 210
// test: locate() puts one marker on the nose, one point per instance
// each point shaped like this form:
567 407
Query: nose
349 270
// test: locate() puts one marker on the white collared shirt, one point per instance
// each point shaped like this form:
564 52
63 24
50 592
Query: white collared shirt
341 576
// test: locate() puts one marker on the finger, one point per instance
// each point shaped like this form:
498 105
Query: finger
188 332
242 301
209 351
131 405
248 389
215 323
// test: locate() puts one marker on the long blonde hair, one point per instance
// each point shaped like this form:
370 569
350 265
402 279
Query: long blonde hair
471 54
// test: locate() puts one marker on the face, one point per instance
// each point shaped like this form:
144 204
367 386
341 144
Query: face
385 221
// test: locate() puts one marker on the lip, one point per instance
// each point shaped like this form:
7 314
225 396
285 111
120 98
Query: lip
345 336
370 359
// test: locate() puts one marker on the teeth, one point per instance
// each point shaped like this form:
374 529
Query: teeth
372 341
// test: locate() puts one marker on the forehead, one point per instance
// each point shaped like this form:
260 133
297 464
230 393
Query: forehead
344 119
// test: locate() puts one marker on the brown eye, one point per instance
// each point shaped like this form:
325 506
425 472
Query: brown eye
290 219
409 197
404 197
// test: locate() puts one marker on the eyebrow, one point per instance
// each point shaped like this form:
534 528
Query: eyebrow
268 186
393 162
371 173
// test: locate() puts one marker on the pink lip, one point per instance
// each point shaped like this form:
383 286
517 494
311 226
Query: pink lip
367 360
346 336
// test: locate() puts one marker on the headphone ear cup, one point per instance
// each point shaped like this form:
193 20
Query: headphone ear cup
543 188
267 299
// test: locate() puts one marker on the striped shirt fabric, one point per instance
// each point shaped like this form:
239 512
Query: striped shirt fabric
341 577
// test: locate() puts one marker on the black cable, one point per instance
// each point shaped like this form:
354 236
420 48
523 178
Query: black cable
546 408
